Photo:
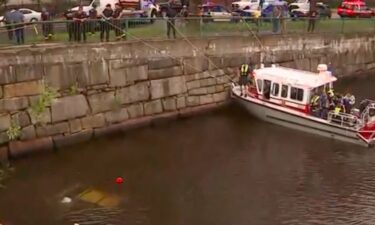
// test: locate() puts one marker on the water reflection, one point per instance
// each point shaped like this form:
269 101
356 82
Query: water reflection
221 168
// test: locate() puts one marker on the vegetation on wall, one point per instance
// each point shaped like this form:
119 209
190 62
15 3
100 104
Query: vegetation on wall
43 102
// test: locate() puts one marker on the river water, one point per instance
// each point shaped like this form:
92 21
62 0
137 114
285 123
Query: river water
222 168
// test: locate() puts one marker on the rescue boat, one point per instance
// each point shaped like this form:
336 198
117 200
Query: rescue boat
282 96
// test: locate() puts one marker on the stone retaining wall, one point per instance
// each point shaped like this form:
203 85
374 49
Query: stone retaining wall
99 89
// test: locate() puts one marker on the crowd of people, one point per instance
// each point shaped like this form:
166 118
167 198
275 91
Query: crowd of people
81 24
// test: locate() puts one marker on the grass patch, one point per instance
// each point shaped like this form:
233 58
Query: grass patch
196 28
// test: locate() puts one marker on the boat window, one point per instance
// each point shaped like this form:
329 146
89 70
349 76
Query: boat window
267 89
284 91
296 94
260 85
275 89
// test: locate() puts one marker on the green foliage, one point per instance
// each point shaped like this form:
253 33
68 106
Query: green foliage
14 131
44 101
73 89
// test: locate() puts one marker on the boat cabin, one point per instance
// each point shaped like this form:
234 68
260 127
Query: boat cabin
290 87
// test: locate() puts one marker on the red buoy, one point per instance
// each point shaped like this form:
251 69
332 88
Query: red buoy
119 180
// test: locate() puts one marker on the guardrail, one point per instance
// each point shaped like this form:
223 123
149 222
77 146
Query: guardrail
62 31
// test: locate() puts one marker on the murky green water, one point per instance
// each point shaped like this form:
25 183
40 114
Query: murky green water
221 168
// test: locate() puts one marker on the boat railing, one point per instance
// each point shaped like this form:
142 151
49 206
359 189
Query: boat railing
368 112
344 119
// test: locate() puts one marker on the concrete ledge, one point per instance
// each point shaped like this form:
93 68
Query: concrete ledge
22 148
4 155
164 117
192 111
76 138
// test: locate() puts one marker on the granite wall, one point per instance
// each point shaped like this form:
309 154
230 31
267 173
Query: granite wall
57 95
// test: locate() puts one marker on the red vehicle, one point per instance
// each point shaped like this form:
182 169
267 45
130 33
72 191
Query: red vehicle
354 8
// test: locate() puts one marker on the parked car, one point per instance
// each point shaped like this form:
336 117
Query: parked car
217 13
324 11
355 9
251 4
31 15
301 5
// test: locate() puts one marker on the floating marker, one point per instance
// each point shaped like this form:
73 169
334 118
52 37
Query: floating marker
119 180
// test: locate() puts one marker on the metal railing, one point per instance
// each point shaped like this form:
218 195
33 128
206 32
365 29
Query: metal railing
61 31
344 119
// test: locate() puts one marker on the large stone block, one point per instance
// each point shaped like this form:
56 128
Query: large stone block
4 122
167 87
181 102
59 77
193 84
192 101
219 97
117 116
117 77
223 79
75 125
13 104
69 107
206 99
28 133
27 72
23 89
169 104
153 107
52 129
21 118
136 73
43 118
97 72
124 76
136 110
203 90
7 75
195 65
3 138
134 93
102 102
207 82
160 63
123 63
93 121
164 73
21 148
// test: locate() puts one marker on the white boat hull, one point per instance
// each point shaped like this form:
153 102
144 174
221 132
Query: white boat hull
303 123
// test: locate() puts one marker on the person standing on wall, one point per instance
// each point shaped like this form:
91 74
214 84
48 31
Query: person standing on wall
276 13
171 14
69 24
8 23
312 16
105 26
93 15
18 19
117 23
80 25
46 26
